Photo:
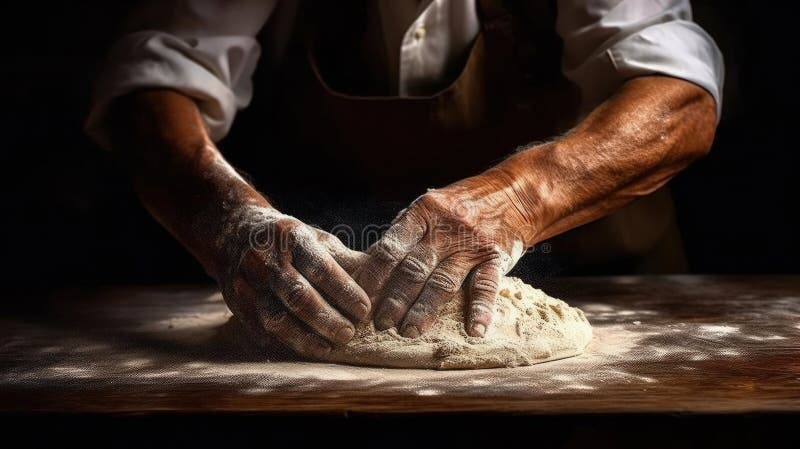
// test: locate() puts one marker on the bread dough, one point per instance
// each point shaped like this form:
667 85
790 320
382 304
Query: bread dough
528 327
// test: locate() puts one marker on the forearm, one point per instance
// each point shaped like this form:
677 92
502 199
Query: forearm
628 147
178 173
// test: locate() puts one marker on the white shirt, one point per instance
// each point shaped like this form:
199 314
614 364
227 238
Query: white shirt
207 48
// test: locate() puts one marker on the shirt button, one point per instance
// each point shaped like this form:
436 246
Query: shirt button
419 33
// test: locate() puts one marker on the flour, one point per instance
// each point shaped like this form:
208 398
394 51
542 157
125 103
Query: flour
528 327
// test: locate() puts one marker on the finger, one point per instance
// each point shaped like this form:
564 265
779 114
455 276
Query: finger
404 286
319 267
389 251
242 299
440 287
250 309
305 303
483 286
265 322
347 258
294 334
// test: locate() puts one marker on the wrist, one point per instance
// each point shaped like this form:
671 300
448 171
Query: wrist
496 195
529 183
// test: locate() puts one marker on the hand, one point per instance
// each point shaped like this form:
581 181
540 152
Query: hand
470 231
288 280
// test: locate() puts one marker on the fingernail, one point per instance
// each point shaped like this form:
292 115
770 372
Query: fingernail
478 329
410 331
384 323
345 334
320 351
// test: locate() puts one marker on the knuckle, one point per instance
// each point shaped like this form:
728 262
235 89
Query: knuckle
443 282
294 237
414 268
387 250
445 204
321 235
399 238
286 224
312 269
303 233
484 286
412 222
292 233
284 227
297 297
432 200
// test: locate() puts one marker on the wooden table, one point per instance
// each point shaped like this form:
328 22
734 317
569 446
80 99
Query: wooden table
693 344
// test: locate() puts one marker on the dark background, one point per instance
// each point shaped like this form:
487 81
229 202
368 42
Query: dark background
71 218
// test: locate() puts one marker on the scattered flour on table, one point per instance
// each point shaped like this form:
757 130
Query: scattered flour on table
718 329
528 327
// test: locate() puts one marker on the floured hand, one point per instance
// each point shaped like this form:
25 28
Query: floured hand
469 231
279 276
289 280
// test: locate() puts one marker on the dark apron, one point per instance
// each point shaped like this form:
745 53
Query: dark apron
340 132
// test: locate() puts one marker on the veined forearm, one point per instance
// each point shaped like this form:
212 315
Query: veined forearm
178 173
626 148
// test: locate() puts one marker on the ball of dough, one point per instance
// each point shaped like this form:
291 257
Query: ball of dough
528 327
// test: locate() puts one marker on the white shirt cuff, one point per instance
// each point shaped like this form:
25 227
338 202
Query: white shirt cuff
680 49
215 71
677 48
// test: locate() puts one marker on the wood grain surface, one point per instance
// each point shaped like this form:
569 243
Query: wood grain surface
661 344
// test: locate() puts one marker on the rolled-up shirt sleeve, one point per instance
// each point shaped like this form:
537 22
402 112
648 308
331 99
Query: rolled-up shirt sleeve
609 41
205 49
